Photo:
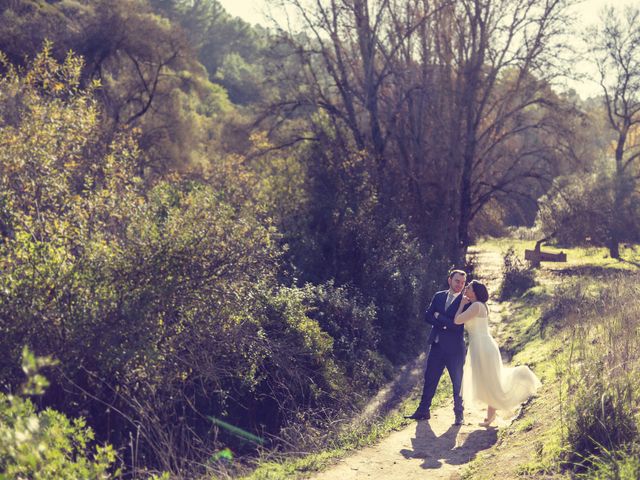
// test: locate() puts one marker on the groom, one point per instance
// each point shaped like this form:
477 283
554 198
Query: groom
447 347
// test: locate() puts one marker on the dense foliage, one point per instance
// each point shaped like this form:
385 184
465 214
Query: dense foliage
162 303
517 277
45 445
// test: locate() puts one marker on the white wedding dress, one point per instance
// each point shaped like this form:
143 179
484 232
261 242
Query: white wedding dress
485 379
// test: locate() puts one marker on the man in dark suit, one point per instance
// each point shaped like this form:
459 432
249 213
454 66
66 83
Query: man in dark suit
447 347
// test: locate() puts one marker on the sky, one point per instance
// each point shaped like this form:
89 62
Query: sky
255 11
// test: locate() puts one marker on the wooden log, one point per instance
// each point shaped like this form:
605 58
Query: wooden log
536 256
533 256
553 257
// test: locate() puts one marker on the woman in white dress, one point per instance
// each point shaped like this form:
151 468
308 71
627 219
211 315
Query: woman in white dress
485 379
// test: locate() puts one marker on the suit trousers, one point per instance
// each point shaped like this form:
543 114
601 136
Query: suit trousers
437 361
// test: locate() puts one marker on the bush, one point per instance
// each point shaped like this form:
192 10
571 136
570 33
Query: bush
517 278
46 445
162 298
580 208
603 373
351 323
621 464
162 302
344 234
571 300
601 419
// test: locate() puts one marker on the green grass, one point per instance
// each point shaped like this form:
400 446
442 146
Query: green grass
622 465
547 448
578 258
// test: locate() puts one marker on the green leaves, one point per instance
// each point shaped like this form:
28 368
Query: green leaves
36 384
46 445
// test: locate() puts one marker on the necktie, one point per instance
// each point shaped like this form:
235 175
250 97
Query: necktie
449 301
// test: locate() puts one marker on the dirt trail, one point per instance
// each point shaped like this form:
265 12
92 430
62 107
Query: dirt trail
489 263
429 449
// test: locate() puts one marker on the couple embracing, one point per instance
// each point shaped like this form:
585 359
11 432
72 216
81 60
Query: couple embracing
478 375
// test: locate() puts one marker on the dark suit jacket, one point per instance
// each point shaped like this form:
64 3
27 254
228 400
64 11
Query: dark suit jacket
450 335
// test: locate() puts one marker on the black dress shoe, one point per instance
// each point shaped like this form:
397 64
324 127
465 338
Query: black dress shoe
459 420
419 415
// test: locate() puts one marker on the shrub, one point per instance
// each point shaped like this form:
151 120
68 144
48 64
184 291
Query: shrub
161 301
571 300
603 373
623 464
344 234
343 314
579 209
601 419
46 445
517 277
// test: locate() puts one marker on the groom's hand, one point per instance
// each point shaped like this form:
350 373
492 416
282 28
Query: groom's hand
441 322
436 319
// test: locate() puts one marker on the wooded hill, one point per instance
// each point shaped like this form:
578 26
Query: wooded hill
203 219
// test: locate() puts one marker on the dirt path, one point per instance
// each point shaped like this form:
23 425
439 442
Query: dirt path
489 263
429 449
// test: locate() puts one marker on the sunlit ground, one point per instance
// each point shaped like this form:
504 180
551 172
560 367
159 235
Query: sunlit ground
577 257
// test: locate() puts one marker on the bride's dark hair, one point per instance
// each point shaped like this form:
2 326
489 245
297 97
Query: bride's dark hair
482 294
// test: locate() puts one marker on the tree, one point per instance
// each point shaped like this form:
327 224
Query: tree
503 59
442 96
149 74
616 52
230 49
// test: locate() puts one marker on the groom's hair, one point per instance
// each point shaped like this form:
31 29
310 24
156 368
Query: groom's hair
453 272
482 294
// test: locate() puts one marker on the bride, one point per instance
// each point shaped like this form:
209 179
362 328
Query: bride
485 379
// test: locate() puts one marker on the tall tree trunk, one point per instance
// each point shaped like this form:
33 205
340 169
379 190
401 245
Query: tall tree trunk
472 112
464 219
615 225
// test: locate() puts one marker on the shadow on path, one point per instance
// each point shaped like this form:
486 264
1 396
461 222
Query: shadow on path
392 394
452 447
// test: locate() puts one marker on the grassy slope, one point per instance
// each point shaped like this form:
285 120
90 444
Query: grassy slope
531 446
